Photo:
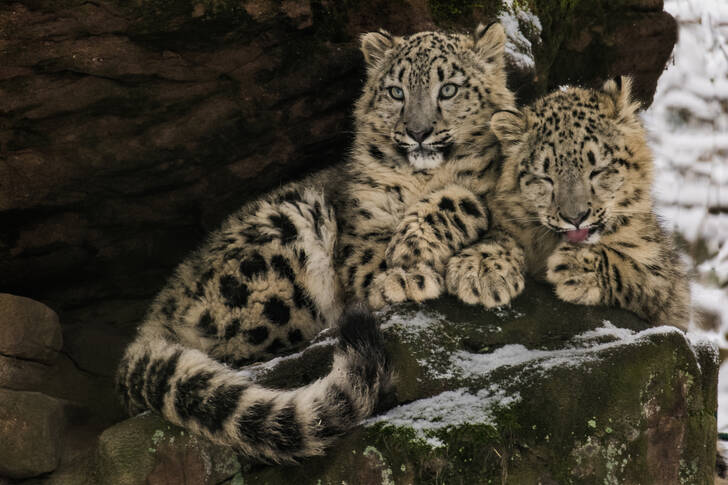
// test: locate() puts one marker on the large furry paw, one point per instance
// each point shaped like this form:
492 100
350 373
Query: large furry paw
399 284
417 243
574 271
486 275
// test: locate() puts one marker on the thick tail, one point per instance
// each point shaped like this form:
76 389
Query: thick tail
194 391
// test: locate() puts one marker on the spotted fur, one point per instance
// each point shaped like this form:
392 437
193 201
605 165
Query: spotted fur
423 160
575 196
412 194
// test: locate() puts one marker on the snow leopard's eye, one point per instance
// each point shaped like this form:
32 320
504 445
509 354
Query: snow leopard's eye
448 91
396 93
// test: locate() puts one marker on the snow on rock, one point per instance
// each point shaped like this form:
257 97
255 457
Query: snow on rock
522 28
447 409
583 348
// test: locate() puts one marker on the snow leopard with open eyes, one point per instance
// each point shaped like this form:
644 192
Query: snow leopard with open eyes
377 229
573 204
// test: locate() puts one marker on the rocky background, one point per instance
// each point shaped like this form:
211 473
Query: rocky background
130 129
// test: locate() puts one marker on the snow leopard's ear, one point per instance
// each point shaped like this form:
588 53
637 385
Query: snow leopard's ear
374 45
489 41
619 90
509 126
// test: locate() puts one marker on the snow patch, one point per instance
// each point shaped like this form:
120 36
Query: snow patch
520 24
583 348
412 323
445 410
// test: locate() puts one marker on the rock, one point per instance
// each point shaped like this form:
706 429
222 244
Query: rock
22 375
28 329
31 428
147 450
542 392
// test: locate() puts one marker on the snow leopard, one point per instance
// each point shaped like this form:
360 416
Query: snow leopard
573 205
374 230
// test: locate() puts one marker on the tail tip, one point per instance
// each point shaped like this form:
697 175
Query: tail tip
358 329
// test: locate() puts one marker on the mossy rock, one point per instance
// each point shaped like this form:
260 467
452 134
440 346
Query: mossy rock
542 392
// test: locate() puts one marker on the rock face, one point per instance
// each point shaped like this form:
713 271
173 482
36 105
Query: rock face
31 427
543 392
28 330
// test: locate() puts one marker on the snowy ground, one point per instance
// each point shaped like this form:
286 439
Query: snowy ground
688 125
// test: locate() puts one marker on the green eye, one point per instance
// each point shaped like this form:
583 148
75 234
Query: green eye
448 91
396 93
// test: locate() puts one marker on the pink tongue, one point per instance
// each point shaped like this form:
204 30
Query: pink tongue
577 236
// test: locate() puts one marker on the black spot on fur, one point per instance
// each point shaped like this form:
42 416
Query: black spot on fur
233 291
468 207
157 385
136 379
275 347
206 325
446 204
458 222
256 335
190 395
169 307
281 266
295 336
617 278
276 311
289 437
367 280
420 281
220 406
206 276
376 152
253 266
367 256
287 230
302 257
251 424
232 329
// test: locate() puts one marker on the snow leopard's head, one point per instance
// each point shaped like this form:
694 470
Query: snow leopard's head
428 97
577 159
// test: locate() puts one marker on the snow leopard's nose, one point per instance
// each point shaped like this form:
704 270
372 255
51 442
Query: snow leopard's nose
576 219
419 135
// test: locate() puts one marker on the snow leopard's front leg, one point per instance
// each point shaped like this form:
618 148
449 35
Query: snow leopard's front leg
435 228
367 277
648 279
489 272
426 237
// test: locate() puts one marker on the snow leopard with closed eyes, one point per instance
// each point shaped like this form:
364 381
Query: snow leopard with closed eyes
574 205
